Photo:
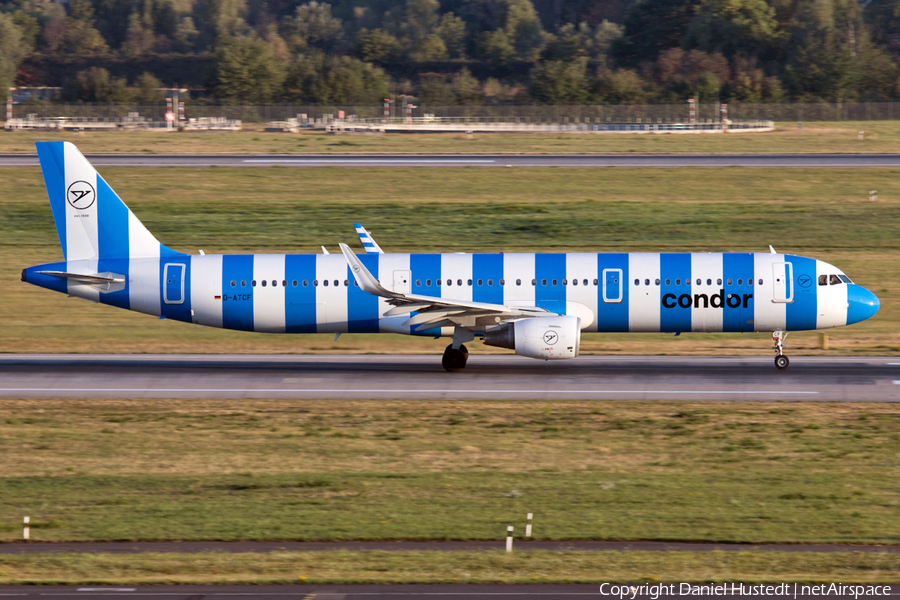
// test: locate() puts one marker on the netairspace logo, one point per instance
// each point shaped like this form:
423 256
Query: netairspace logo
654 591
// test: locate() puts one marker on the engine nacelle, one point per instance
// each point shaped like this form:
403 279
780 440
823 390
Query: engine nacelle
549 338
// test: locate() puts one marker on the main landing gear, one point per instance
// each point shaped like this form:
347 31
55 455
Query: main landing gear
456 355
455 359
781 361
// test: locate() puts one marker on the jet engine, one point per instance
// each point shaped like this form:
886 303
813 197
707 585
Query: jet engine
549 338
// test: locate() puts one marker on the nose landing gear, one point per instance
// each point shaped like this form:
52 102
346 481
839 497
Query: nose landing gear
781 361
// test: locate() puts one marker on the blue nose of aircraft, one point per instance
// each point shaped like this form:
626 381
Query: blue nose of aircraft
862 304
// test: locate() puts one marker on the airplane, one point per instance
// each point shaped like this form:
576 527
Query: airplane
535 304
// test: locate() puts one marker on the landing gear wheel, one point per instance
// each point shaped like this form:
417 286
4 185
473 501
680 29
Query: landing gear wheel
781 361
464 351
454 360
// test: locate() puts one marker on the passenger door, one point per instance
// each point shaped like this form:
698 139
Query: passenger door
782 282
173 276
612 285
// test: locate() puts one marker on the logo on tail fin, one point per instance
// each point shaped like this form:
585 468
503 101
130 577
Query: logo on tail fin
81 195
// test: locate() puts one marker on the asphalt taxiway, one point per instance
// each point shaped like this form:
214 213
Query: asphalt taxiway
875 379
475 160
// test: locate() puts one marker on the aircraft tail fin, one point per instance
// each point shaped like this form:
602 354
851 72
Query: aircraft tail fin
91 219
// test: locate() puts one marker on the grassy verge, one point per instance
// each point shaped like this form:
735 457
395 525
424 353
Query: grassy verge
839 137
823 213
534 566
302 470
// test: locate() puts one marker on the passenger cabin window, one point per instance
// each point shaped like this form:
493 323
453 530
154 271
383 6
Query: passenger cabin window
480 282
677 282
233 283
657 282
243 283
470 282
294 283
253 283
264 283
637 282
729 282
518 282
305 282
718 282
428 282
585 282
596 282
646 282
554 282
490 282
502 282
709 282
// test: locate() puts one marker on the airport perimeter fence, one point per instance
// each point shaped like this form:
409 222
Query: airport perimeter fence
537 113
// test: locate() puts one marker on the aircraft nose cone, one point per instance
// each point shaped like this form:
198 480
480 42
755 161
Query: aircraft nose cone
862 304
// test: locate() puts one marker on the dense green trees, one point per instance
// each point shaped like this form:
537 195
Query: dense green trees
470 51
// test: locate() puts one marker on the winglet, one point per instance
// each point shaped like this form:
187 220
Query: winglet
772 250
363 277
367 240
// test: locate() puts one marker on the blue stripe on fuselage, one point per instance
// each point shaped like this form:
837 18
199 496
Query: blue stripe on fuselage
738 268
300 300
802 312
550 270
425 268
613 316
237 300
676 270
487 271
362 307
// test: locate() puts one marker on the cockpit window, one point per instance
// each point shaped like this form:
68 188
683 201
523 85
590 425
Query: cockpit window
823 279
845 279
834 280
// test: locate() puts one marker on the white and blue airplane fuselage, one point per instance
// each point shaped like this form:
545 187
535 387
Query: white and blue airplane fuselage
537 304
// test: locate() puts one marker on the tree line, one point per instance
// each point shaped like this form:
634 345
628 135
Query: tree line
445 52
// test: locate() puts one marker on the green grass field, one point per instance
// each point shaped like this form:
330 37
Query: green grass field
534 566
829 137
307 470
824 213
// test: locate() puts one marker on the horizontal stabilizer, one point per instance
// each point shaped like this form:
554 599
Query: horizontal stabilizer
96 279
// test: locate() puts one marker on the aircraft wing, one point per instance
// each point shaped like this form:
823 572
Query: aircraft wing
368 242
433 311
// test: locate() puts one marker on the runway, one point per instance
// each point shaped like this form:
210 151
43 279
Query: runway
489 377
475 160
